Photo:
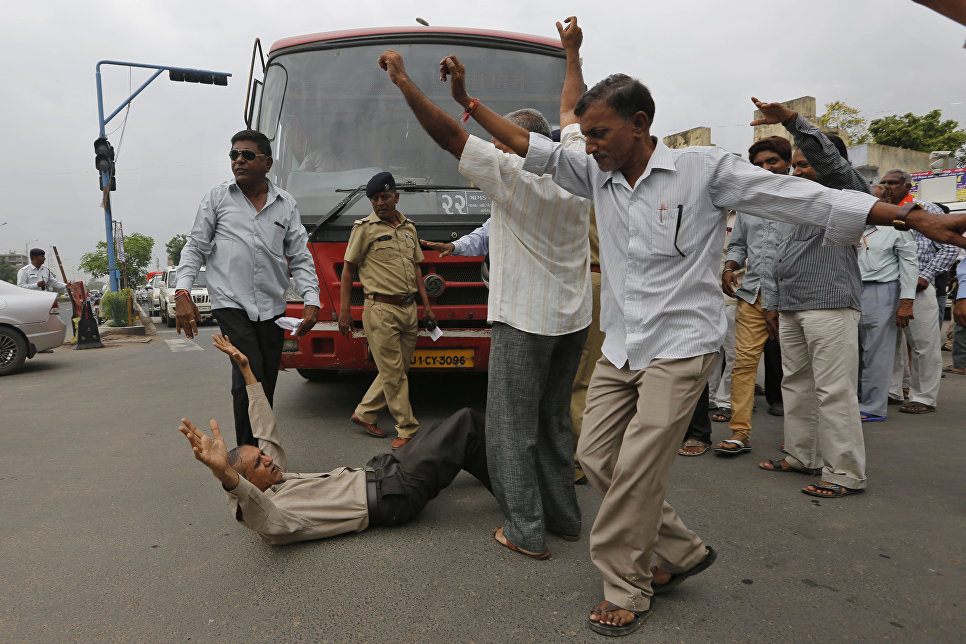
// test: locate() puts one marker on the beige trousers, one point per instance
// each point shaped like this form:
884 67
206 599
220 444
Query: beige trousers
820 363
391 331
634 423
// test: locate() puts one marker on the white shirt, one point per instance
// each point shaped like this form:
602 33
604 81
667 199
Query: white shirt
28 276
661 239
246 252
539 242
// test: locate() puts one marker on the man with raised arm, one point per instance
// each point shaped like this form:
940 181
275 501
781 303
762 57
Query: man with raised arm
285 507
539 303
660 215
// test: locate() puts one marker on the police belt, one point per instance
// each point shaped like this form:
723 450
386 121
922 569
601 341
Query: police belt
398 300
372 496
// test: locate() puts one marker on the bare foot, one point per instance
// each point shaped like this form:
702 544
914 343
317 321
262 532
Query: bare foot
611 614
659 577
693 447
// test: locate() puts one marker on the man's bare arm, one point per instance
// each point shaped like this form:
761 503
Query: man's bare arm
510 134
345 292
211 451
946 229
223 344
952 9
571 38
442 127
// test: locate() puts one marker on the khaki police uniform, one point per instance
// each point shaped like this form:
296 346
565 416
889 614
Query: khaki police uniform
387 259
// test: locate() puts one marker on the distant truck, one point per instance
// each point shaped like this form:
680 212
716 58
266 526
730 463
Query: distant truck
335 120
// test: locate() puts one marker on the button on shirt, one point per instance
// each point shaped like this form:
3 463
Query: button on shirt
29 275
386 255
886 255
753 239
661 239
539 248
302 506
246 252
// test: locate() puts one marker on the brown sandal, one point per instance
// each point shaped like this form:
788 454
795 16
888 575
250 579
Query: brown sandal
503 541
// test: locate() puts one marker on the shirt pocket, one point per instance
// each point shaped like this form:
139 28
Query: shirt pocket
273 238
669 231
805 233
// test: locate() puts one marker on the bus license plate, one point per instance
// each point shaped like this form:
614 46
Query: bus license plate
443 359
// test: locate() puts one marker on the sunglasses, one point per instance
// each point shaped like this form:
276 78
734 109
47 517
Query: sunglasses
248 155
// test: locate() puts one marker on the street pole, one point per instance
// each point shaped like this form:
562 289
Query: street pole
177 74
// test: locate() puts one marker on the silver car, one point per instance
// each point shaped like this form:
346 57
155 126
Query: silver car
29 322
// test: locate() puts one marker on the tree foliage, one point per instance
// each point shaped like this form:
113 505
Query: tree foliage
845 118
138 250
174 246
8 272
924 133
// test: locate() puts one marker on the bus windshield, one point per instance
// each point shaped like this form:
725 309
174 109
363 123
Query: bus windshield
335 119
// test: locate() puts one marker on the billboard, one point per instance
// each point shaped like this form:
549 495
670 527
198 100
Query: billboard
946 186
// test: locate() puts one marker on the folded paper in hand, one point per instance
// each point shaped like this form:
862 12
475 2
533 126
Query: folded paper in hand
289 323
435 333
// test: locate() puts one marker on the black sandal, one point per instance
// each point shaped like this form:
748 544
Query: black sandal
617 631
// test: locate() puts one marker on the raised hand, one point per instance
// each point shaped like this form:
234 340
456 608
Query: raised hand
442 248
211 451
773 113
452 67
571 36
392 62
223 344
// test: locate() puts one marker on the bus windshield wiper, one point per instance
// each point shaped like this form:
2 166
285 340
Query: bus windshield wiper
352 197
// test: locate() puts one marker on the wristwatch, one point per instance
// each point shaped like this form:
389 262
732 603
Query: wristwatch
899 223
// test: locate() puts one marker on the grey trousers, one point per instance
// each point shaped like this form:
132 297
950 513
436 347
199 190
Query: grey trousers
529 441
877 342
959 347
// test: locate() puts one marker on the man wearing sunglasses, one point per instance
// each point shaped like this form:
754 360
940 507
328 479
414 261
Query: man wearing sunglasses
250 235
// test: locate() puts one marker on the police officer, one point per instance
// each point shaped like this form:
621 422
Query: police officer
37 277
384 249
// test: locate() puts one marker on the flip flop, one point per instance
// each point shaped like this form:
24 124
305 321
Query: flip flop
723 415
618 631
741 447
677 578
950 369
836 490
501 539
917 408
776 466
869 418
694 442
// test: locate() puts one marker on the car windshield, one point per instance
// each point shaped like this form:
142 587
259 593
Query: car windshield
201 281
335 120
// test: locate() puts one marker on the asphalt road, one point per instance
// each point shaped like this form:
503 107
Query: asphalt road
111 530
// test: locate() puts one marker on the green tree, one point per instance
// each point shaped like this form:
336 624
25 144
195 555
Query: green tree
924 133
138 249
174 246
845 118
8 272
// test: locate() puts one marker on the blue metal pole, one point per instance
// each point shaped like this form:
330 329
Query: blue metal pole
106 181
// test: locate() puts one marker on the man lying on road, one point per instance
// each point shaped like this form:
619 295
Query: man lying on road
284 507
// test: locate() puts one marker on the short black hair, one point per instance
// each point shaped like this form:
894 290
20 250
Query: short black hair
37 252
777 144
625 95
264 145
839 145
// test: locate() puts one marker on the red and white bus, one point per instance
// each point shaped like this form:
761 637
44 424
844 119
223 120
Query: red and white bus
335 120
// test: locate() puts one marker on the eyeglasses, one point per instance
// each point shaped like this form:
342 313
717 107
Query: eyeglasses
248 155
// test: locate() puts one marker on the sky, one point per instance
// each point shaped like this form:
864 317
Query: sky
702 59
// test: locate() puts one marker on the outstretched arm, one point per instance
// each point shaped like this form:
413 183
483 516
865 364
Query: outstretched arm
223 344
571 37
444 129
211 451
510 134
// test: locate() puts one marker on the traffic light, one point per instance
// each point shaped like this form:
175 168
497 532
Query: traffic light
205 78
104 160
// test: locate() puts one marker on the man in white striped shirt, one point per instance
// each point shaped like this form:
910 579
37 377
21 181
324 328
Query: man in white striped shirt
660 215
540 307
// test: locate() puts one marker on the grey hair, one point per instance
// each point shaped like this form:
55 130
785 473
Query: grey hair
906 177
530 120
234 460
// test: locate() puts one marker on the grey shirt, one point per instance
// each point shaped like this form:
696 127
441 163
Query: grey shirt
249 254
756 240
807 273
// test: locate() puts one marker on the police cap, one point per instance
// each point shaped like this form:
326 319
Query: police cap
382 182
37 252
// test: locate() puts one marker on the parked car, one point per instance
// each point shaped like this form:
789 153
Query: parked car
199 293
153 305
29 322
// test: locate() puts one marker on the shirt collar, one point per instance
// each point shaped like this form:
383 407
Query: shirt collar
272 190
374 218
661 158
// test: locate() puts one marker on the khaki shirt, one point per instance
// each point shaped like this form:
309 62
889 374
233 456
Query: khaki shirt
386 256
303 506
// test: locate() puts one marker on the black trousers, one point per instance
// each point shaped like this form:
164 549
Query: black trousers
773 372
261 342
409 478
700 426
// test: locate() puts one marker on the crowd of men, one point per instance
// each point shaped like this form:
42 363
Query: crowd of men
623 238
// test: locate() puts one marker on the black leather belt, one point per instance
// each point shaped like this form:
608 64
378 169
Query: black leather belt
398 300
372 496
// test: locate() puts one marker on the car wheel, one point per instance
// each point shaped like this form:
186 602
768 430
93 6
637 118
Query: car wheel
13 351
318 375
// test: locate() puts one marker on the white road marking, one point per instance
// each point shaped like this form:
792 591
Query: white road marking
178 345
